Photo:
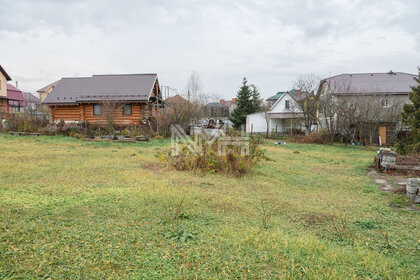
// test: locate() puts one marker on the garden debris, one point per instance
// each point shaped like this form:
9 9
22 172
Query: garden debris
115 138
25 133
388 161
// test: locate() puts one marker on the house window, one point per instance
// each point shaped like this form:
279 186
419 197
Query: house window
127 109
384 103
287 104
97 110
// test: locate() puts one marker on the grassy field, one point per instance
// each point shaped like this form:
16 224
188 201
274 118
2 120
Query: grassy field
79 210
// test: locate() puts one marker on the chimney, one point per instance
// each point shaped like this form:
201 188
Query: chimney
299 92
234 100
17 87
222 101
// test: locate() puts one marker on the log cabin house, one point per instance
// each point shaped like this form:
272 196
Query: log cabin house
132 99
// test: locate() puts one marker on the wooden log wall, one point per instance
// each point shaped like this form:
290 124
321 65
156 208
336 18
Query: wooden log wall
84 112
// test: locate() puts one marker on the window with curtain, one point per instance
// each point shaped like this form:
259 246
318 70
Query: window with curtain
127 109
97 110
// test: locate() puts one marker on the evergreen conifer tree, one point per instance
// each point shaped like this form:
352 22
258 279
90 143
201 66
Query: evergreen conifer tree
244 105
411 118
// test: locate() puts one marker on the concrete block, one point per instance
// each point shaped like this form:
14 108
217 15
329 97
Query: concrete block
413 185
413 189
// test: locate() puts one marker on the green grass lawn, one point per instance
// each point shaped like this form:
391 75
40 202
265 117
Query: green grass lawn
80 210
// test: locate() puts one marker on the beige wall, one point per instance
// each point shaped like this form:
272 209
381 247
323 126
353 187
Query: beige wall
3 85
44 94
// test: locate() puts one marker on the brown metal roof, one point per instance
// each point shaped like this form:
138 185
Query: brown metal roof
132 87
5 73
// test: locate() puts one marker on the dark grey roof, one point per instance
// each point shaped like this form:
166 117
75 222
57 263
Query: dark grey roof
5 74
216 104
132 87
30 98
371 83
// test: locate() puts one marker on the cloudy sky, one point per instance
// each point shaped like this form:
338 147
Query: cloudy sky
269 42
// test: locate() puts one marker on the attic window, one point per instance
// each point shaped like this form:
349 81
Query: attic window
287 104
384 103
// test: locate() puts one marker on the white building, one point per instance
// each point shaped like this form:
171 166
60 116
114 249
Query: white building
284 117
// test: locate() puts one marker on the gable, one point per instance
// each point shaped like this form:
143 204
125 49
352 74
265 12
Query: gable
280 105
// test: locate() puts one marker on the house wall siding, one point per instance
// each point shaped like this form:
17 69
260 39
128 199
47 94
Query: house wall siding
256 123
280 107
3 86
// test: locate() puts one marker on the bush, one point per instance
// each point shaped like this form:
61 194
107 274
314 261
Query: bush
232 161
322 137
24 122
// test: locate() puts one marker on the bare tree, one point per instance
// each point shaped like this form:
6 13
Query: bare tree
265 109
178 111
307 82
352 116
308 102
194 86
111 109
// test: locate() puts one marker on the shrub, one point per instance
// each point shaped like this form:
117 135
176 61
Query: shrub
232 161
24 122
322 137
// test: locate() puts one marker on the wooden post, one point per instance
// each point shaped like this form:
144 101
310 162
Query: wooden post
276 130
252 128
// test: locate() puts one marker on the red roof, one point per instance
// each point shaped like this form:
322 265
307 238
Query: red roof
15 94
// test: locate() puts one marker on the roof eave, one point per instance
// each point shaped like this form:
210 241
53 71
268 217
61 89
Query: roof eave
8 78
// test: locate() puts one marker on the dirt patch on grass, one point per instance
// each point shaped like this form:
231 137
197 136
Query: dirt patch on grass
394 184
154 167
313 219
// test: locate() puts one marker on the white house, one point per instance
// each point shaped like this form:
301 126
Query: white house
284 117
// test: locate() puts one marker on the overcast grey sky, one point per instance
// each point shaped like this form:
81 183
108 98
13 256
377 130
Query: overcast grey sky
269 42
